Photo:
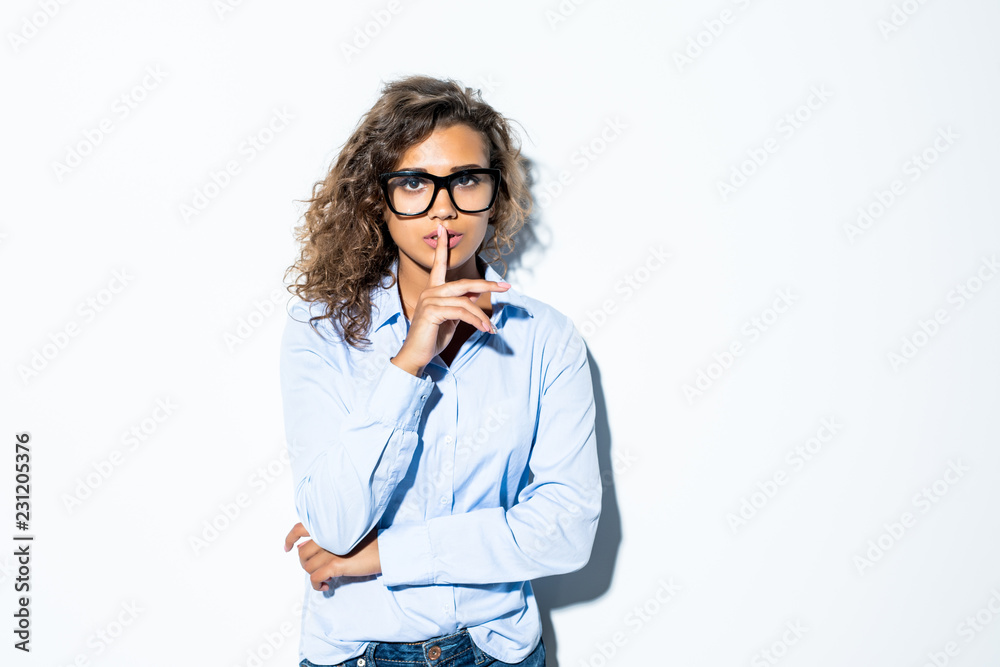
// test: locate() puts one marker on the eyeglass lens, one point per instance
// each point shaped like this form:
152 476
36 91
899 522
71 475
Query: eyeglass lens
412 194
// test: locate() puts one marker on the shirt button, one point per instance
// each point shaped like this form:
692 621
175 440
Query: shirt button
447 439
434 652
443 500
423 397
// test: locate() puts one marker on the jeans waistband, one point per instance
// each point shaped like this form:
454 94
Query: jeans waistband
435 652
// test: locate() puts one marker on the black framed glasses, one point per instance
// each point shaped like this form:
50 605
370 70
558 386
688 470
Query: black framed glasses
413 192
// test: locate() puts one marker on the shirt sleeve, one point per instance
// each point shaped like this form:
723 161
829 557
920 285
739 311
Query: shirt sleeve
549 530
349 441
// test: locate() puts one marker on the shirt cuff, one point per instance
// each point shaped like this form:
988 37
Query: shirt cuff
404 551
398 397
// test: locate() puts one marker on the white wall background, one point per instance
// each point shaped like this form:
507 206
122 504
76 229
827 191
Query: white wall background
674 580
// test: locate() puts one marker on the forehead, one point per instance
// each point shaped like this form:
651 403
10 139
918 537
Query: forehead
447 147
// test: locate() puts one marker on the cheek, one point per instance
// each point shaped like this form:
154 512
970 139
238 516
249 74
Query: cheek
392 230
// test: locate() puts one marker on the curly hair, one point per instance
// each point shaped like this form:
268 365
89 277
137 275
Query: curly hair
346 246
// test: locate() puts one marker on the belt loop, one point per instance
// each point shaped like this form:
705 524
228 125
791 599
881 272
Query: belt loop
369 655
476 651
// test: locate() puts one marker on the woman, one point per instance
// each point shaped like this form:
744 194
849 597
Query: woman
440 423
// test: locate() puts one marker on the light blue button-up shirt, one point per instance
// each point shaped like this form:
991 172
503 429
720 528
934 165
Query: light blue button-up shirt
479 476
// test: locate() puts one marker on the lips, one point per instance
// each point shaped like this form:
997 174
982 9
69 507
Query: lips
433 235
453 239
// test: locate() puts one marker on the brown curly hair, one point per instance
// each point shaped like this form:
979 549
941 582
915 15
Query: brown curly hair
346 246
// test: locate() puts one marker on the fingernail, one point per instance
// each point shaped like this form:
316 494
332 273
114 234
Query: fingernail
503 284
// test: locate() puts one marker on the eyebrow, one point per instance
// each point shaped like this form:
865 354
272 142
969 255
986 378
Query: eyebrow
453 169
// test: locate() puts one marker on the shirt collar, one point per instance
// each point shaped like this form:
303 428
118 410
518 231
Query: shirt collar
387 307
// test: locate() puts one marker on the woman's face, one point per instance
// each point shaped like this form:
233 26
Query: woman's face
444 152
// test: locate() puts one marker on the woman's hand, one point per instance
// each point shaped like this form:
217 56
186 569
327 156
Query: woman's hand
439 309
323 565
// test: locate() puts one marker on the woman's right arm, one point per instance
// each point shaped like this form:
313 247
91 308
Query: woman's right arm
348 450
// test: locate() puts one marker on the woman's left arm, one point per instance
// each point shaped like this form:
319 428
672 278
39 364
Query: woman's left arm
549 530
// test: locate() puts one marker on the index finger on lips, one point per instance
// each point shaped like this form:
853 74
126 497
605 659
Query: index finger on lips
440 265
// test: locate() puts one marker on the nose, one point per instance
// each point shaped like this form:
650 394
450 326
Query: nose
442 207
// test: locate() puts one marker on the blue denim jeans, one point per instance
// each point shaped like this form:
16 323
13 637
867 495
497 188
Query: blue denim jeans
455 650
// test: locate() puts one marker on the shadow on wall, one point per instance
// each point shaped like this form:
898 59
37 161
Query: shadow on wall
528 237
594 579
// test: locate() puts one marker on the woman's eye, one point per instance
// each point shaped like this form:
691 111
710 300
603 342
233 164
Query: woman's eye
467 180
413 183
